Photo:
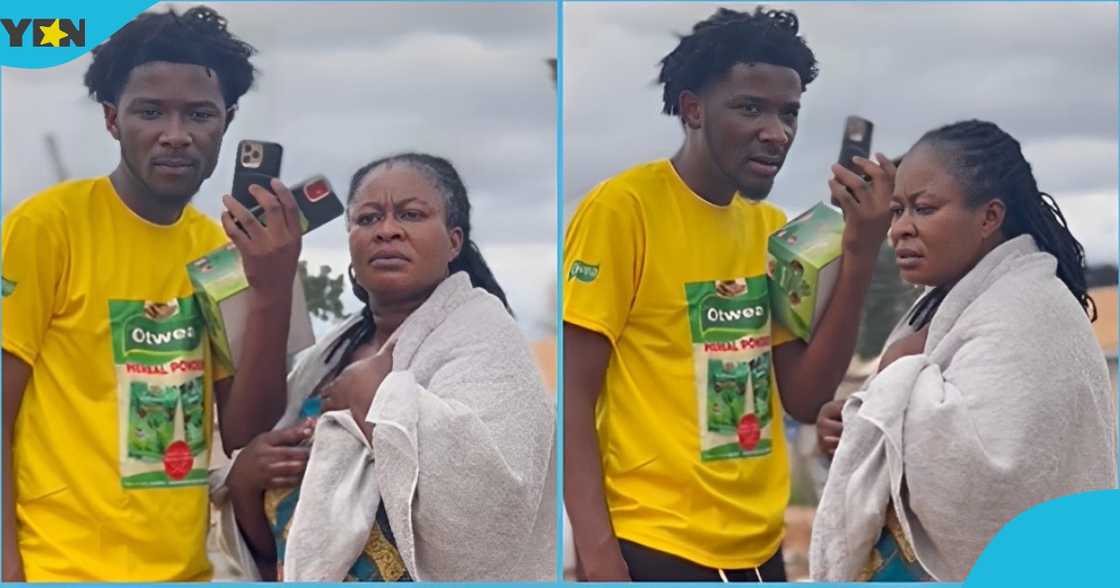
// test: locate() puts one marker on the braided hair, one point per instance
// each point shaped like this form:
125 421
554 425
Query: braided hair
730 37
988 162
443 175
198 36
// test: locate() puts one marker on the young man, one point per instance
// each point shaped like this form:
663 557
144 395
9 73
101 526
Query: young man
107 376
675 459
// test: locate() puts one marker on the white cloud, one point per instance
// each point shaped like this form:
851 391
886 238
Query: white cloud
1092 219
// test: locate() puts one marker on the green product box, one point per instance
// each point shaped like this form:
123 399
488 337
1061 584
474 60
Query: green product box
803 265
222 292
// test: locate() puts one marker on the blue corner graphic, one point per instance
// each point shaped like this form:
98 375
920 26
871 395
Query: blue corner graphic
48 33
1069 541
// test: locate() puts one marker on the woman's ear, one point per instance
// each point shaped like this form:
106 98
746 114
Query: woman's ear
456 235
992 221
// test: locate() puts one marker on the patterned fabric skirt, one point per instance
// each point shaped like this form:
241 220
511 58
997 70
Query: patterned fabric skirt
379 561
893 559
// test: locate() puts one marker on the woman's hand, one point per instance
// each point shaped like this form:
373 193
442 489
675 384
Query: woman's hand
356 386
866 204
269 251
830 426
275 459
912 344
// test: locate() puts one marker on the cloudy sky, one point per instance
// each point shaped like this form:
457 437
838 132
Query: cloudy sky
341 85
1046 73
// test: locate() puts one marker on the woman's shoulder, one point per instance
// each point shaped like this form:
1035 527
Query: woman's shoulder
466 314
483 313
1039 308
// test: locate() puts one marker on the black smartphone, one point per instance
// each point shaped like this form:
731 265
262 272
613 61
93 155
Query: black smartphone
856 142
257 163
318 204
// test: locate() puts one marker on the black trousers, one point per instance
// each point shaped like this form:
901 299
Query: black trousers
651 565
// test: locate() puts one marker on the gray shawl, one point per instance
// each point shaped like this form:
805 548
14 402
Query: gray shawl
462 454
1008 406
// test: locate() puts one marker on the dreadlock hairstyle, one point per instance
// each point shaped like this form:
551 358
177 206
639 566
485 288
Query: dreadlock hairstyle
989 163
198 37
727 38
454 192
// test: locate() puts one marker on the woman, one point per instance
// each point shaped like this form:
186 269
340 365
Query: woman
433 459
992 395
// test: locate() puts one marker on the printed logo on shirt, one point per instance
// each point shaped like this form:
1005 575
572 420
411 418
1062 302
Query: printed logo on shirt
160 331
9 286
583 271
159 352
730 325
725 312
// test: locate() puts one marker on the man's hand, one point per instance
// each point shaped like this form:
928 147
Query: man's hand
275 459
13 566
269 252
606 565
866 205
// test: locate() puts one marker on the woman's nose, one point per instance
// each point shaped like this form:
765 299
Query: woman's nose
902 226
388 229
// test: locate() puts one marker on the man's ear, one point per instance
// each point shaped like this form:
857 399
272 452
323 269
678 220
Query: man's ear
232 110
691 109
110 111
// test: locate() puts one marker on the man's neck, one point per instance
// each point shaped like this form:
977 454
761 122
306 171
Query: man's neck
136 197
695 166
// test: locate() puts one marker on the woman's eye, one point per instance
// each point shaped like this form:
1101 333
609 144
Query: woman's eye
149 113
365 219
412 215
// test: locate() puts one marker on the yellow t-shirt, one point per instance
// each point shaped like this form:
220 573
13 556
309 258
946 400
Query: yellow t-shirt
689 421
112 440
